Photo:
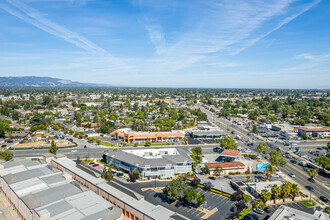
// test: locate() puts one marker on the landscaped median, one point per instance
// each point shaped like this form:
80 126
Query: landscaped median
212 189
243 213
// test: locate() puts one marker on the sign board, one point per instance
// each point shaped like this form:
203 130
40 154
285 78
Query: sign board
261 166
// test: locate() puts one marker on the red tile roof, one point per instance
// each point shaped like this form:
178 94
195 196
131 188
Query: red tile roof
230 153
225 165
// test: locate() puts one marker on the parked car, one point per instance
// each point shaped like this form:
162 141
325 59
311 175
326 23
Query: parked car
268 210
254 216
324 199
85 146
212 177
310 188
92 163
259 211
293 161
157 194
95 165
179 203
274 175
306 168
291 175
248 217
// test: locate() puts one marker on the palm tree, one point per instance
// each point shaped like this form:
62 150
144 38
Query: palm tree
265 195
276 192
270 169
286 189
312 173
218 171
294 191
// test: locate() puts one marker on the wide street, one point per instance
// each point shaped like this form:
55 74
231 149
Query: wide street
321 184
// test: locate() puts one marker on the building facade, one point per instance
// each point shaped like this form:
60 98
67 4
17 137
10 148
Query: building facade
152 163
130 136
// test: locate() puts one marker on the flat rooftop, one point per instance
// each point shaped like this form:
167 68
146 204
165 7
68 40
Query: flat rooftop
52 193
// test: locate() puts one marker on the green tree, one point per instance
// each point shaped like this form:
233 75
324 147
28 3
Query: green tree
270 169
294 191
148 143
190 195
206 169
276 158
4 127
15 115
262 148
200 198
259 204
248 179
218 171
304 136
56 127
228 142
176 189
98 141
276 192
53 148
312 174
265 195
286 189
136 145
6 154
78 161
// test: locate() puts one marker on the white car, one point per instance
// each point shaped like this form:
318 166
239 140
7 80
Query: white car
274 175
291 175
74 151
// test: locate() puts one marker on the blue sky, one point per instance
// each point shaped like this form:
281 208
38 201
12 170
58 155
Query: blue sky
169 43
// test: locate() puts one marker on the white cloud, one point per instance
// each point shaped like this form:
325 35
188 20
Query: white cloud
33 17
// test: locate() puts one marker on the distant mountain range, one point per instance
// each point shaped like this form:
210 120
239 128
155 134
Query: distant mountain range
43 82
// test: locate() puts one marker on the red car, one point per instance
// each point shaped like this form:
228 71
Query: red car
95 165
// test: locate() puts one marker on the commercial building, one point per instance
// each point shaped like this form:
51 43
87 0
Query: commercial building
38 191
315 132
227 167
129 136
285 212
256 187
132 204
229 155
152 163
207 134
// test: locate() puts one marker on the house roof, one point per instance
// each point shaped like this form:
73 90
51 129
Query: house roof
315 129
225 165
230 153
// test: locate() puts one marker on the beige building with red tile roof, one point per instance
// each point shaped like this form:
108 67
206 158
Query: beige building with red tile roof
228 167
130 136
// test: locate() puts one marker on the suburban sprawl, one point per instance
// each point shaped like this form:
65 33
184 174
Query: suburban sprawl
144 153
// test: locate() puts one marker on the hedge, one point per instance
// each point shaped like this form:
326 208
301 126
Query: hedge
243 213
212 190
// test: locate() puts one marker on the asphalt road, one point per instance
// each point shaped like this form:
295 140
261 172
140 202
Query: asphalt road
321 183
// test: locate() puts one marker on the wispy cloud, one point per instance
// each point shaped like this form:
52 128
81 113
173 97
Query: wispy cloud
226 27
157 37
35 18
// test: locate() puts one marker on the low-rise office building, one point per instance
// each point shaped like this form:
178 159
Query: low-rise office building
152 163
285 212
38 191
315 132
129 136
227 167
131 203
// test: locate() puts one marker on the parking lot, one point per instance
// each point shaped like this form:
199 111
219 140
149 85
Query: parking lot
213 200
295 205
